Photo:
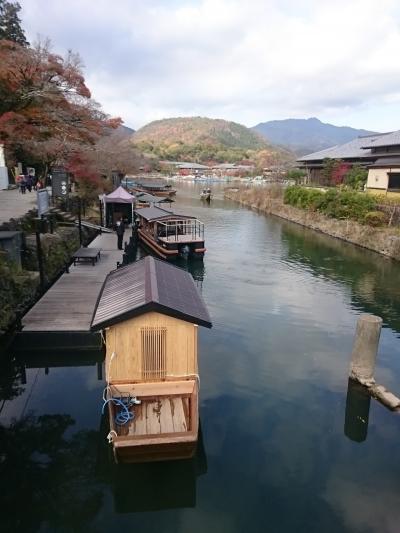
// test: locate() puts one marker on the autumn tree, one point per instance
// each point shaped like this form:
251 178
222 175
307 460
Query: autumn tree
116 153
10 23
339 172
46 110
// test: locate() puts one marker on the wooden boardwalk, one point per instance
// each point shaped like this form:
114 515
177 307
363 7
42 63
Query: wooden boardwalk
68 305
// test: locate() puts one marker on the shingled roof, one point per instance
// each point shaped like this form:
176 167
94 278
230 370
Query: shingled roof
149 285
156 213
351 150
388 139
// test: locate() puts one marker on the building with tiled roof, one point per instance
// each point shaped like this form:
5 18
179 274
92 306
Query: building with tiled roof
379 153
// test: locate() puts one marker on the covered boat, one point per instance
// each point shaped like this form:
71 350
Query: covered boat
169 234
150 312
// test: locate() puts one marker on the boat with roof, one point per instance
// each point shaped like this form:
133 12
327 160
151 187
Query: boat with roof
169 234
149 312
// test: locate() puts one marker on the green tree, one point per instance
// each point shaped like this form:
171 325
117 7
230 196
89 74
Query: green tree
10 23
295 174
356 177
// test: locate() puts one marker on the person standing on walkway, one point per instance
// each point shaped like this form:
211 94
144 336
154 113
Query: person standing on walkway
120 230
22 184
28 180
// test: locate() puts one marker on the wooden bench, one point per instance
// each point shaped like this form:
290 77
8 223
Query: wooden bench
86 255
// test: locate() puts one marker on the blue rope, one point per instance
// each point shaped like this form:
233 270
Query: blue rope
124 415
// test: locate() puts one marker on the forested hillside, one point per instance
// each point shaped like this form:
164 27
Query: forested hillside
203 139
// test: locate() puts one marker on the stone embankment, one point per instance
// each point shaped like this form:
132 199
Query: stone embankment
19 286
385 241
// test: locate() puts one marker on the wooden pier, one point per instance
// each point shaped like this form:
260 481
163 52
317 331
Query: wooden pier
67 307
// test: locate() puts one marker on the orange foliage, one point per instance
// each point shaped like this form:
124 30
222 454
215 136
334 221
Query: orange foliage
46 108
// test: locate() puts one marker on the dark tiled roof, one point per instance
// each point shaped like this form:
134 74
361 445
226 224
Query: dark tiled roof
152 213
148 183
351 150
149 198
155 213
197 166
388 139
149 285
386 162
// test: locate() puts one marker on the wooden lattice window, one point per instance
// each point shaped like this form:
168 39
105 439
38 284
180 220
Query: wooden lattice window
154 352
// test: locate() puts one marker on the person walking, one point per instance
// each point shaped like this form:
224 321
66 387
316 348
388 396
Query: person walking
120 230
28 180
22 185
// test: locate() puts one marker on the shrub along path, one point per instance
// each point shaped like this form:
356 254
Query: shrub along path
383 240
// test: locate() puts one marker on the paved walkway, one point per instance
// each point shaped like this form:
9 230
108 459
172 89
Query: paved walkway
13 204
69 304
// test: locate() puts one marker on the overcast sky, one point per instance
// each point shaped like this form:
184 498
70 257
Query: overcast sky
248 61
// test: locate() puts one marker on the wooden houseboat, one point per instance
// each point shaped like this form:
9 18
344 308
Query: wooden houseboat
157 187
170 235
144 199
150 312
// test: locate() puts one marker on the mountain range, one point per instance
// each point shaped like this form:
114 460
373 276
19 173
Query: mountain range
202 139
192 130
304 136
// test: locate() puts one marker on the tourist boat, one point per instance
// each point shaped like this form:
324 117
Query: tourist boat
170 235
150 312
206 195
144 199
156 187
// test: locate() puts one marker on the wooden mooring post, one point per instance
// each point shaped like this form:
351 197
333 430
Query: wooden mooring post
363 359
365 349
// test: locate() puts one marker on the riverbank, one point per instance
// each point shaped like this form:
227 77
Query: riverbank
385 241
19 285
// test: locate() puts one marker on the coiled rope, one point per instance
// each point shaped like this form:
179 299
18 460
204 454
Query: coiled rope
123 416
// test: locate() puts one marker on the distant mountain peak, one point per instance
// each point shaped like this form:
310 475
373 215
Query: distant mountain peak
304 136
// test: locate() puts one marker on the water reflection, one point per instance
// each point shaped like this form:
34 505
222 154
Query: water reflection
357 412
12 379
45 477
274 369
374 280
154 486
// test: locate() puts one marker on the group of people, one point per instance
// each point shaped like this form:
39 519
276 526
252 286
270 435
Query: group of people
28 182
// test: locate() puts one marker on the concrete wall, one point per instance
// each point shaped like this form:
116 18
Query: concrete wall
377 178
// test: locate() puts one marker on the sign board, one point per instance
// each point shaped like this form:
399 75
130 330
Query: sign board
43 202
60 183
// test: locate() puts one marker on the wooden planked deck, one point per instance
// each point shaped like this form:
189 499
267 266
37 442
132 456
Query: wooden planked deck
68 305
166 414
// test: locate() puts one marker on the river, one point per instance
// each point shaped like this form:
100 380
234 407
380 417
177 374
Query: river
285 445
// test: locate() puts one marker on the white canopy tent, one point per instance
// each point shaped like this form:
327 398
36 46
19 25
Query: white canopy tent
120 197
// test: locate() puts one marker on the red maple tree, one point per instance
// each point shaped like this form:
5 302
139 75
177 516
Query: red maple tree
46 109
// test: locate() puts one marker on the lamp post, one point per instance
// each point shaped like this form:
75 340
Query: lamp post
38 230
80 219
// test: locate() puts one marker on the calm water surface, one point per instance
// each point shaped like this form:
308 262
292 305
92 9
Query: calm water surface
285 446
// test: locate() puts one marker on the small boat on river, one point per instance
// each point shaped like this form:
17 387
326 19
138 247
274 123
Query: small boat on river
206 195
150 312
170 235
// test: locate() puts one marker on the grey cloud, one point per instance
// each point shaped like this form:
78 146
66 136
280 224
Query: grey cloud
147 59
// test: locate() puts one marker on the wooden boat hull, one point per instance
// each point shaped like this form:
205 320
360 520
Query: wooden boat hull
164 193
151 453
171 250
165 426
